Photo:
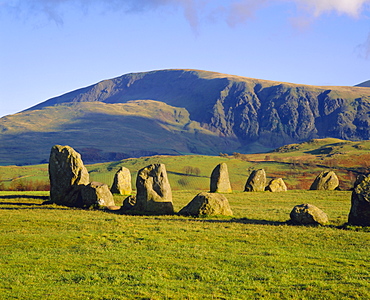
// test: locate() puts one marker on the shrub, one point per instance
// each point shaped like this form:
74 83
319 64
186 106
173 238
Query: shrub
188 170
29 185
183 181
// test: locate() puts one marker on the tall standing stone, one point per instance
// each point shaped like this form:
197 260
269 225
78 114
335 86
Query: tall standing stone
122 182
326 180
256 181
66 172
360 203
69 181
154 193
220 182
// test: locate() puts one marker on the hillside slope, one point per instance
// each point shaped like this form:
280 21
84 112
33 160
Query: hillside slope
364 84
297 164
183 111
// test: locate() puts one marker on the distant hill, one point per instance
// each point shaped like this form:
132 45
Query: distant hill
297 164
364 84
182 112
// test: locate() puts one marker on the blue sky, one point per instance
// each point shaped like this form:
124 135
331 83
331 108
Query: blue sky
50 47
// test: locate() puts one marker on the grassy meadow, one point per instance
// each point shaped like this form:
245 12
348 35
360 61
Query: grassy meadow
297 164
55 252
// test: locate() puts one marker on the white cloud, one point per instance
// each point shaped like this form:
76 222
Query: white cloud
349 7
242 10
233 11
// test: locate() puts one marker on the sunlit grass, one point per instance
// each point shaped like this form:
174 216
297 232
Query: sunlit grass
53 252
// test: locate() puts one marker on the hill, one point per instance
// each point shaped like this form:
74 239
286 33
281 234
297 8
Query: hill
182 112
297 164
364 84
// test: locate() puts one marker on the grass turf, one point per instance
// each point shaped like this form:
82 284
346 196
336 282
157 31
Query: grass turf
54 252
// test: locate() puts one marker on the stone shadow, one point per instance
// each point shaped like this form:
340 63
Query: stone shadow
24 196
199 219
239 220
185 174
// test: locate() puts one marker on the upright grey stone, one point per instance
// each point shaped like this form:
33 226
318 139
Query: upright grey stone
256 181
360 203
220 182
277 185
308 214
69 181
210 204
326 180
122 182
154 193
66 172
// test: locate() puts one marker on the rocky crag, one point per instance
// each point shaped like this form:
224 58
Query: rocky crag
193 111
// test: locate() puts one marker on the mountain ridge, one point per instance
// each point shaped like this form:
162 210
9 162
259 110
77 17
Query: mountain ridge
201 73
363 84
219 113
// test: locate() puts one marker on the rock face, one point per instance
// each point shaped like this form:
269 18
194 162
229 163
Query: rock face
241 112
220 182
122 182
276 185
360 204
66 172
256 181
154 193
325 181
69 181
207 204
307 214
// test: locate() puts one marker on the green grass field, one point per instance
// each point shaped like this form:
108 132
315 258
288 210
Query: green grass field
297 164
54 252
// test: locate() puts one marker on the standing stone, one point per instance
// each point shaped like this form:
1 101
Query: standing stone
360 204
358 180
325 181
154 193
277 185
209 204
129 203
69 181
308 214
122 182
256 181
96 195
66 172
220 180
